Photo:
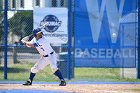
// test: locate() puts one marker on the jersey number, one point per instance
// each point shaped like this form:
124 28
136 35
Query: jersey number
42 49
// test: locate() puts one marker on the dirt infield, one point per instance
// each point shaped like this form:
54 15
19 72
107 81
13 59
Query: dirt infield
78 88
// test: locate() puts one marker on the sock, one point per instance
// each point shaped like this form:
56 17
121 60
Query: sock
59 75
32 75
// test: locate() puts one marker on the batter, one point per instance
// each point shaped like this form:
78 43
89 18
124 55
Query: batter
48 56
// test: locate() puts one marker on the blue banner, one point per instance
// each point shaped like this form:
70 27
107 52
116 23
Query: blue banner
105 33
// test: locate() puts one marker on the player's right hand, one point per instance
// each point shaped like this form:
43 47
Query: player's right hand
23 41
26 38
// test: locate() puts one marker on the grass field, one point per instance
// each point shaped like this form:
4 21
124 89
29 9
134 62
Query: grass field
20 72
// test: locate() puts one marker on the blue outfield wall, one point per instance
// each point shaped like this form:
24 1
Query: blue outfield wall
105 33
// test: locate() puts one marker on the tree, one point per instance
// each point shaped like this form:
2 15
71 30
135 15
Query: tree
1 4
21 24
1 21
1 26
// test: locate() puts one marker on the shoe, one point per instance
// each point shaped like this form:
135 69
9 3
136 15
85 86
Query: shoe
62 83
28 83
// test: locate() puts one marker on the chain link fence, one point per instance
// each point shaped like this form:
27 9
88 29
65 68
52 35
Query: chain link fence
1 38
94 13
21 58
20 24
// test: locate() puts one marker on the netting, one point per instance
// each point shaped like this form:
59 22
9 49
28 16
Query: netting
20 24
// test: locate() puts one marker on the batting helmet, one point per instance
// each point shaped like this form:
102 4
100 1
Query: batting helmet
35 31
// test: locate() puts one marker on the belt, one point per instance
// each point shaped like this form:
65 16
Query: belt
48 55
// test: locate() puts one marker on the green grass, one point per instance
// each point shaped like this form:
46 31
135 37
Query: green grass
96 74
101 74
20 72
136 90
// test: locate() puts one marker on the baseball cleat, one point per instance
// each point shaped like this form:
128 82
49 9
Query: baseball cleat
28 83
62 83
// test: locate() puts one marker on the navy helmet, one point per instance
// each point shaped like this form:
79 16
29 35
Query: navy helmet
35 31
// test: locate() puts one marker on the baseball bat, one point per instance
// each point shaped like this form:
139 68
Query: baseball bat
41 27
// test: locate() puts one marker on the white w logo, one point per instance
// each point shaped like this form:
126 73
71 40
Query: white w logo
96 16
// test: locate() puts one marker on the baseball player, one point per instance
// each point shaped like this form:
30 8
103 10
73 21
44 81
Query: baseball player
48 56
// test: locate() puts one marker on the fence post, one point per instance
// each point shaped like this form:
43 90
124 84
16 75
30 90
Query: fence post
69 40
5 37
138 39
14 55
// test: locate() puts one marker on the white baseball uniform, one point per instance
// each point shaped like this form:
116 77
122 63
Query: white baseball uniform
48 55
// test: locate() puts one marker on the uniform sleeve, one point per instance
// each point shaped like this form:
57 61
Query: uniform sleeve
34 43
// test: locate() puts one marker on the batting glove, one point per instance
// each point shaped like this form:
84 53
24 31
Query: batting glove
25 39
